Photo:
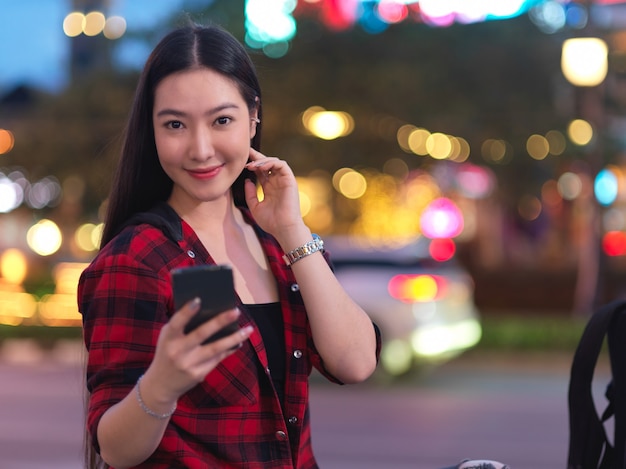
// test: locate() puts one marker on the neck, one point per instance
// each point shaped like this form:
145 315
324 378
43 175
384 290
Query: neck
209 217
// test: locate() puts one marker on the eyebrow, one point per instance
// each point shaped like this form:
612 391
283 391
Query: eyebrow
215 110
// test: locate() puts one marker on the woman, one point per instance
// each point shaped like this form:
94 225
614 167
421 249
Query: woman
184 194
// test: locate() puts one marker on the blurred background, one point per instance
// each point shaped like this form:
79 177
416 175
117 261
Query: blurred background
489 133
464 159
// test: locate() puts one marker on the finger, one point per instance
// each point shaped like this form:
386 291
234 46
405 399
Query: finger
213 325
228 344
256 155
251 194
181 317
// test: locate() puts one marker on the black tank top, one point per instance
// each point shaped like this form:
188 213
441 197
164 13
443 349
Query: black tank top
269 319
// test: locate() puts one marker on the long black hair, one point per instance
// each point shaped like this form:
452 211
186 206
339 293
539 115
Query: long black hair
139 181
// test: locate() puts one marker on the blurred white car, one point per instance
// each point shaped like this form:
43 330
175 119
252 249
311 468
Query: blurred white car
424 308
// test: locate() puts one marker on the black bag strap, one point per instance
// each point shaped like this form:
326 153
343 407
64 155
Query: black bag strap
589 447
616 337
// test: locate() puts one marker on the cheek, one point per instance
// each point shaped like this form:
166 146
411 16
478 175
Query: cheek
166 151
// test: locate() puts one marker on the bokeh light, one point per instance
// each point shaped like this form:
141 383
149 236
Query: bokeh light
614 243
13 266
570 185
537 146
606 187
351 184
417 141
7 141
94 23
115 27
580 132
441 219
44 237
529 207
584 60
442 249
556 142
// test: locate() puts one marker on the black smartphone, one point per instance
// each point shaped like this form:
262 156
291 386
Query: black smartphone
214 285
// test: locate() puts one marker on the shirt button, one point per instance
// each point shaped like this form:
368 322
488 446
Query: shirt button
295 287
267 371
293 420
191 254
281 435
297 353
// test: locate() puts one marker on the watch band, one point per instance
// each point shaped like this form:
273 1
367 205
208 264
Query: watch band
316 244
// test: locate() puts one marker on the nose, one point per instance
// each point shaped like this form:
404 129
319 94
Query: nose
201 145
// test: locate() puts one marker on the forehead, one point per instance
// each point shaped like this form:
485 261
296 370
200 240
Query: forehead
201 85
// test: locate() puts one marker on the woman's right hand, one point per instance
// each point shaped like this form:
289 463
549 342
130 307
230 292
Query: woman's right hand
181 360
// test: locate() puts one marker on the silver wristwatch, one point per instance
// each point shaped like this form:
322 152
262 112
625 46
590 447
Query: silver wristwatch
316 244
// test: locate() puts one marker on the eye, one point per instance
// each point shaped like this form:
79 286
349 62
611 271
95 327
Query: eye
223 120
174 125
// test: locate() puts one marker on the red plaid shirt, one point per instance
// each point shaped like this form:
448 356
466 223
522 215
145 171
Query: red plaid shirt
232 419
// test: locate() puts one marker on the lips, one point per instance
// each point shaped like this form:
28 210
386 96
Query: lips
205 173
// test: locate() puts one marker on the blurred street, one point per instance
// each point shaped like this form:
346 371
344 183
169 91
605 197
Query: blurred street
507 408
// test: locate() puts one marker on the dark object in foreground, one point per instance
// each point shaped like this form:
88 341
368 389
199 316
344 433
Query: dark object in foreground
589 444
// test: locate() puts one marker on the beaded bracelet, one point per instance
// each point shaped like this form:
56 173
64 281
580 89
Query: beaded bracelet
149 411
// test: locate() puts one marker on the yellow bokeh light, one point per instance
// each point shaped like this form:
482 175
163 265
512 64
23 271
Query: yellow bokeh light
494 151
16 307
305 203
556 141
96 234
74 24
84 237
402 136
329 125
94 23
421 288
337 177
584 60
310 112
417 141
439 146
537 147
580 132
352 185
44 237
464 150
397 168
13 266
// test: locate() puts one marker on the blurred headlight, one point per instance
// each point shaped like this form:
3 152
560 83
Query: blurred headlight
430 341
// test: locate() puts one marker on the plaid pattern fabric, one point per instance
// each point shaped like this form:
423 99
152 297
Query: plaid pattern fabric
233 418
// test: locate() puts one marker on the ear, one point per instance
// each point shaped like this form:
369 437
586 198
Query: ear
254 118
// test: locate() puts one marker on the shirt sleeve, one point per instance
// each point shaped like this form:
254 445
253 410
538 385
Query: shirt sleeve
124 305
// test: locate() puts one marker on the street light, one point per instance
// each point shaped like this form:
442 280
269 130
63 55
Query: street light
584 63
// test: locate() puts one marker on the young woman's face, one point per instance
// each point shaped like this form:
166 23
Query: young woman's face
202 129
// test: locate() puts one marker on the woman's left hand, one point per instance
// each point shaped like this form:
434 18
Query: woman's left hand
280 208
